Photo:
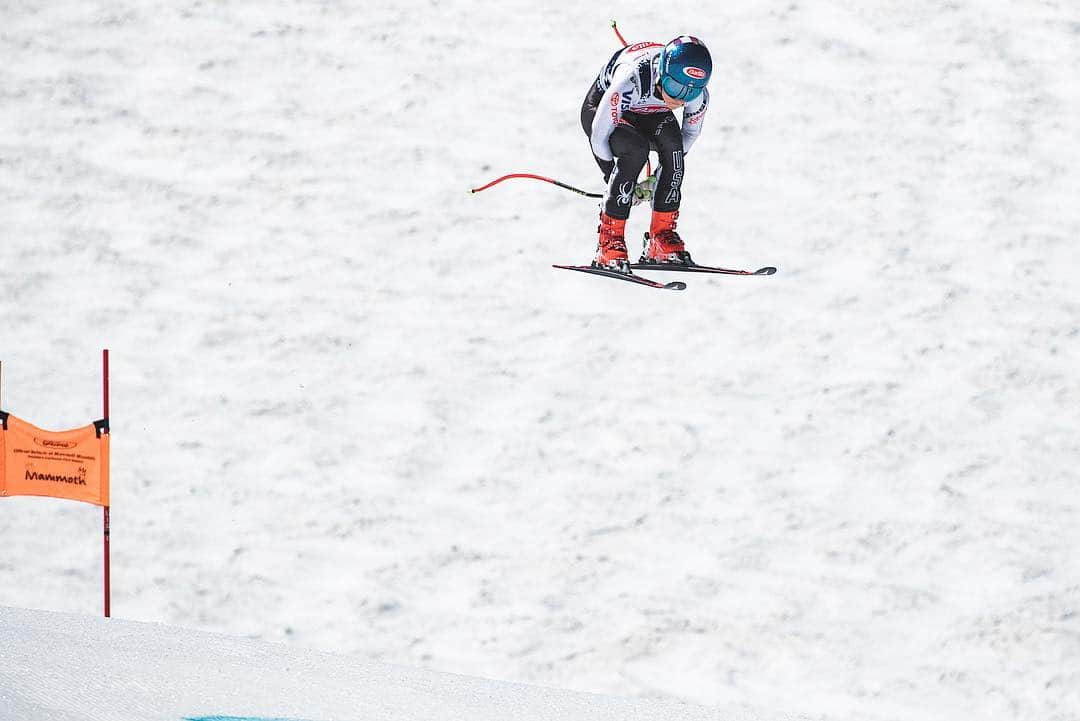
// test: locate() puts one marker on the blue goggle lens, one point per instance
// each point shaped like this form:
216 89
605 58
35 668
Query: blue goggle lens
678 91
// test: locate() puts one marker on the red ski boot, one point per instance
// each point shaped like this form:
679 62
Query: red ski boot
662 243
611 246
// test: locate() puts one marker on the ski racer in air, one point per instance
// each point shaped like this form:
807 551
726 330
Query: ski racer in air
627 113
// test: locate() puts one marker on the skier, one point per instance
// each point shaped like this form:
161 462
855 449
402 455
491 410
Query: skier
627 113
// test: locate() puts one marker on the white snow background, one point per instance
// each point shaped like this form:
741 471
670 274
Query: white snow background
354 409
62 667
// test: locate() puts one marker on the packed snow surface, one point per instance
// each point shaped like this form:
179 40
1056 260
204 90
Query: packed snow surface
355 410
60 667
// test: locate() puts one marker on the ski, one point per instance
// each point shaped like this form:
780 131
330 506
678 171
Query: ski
695 268
629 277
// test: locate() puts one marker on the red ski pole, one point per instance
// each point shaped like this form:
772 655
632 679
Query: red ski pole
618 34
536 177
648 163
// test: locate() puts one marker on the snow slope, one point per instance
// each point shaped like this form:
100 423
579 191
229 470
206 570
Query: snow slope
60 667
354 409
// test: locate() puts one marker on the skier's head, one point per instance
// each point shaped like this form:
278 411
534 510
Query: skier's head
685 68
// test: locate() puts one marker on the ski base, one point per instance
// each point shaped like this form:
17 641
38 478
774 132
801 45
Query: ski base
695 268
629 277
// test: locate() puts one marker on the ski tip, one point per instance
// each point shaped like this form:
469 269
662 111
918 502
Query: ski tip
767 270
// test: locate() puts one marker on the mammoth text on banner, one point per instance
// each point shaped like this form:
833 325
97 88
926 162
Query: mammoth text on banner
62 464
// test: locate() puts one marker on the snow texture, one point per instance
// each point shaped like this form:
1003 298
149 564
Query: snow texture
356 411
57 667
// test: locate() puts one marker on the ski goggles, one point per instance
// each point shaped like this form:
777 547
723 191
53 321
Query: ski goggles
677 90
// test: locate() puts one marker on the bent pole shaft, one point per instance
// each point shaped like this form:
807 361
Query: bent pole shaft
648 163
532 176
622 40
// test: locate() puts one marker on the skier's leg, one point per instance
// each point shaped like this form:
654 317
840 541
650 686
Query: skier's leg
664 244
631 151
668 141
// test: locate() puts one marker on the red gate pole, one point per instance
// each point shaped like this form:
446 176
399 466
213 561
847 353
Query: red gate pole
105 393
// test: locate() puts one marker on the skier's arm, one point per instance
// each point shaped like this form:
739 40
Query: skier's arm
693 117
615 101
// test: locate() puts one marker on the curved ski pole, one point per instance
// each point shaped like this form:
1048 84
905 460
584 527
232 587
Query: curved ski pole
648 162
536 177
622 40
